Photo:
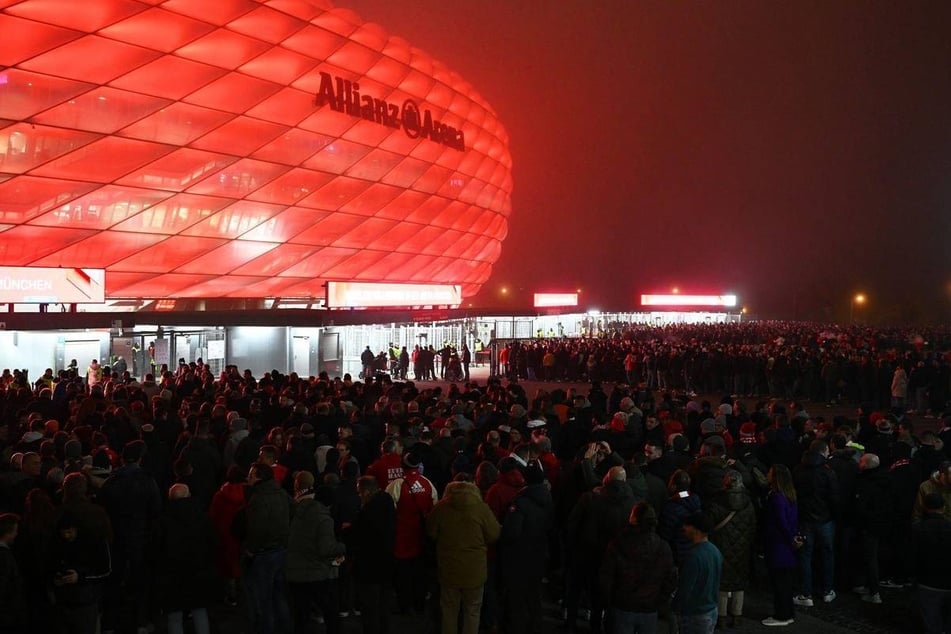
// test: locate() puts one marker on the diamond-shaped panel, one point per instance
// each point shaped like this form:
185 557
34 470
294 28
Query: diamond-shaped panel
241 148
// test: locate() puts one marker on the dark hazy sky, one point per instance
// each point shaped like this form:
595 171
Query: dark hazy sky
794 153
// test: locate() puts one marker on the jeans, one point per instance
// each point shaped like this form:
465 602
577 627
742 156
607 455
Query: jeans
199 622
264 583
870 559
469 599
583 578
824 534
631 622
320 593
698 623
935 609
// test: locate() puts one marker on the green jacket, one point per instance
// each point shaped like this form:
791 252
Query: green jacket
312 545
463 527
268 518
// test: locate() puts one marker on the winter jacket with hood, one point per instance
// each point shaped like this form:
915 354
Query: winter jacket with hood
463 527
501 494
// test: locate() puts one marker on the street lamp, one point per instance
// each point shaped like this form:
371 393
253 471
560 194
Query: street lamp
855 299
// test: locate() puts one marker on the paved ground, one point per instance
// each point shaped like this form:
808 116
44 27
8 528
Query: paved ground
847 613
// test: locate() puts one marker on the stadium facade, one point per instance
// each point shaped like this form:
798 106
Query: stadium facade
240 149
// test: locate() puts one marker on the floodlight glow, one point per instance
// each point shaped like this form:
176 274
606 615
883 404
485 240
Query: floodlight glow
551 300
727 301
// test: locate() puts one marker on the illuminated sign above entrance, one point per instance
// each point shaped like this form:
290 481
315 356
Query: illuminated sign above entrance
726 301
39 285
372 295
343 95
551 300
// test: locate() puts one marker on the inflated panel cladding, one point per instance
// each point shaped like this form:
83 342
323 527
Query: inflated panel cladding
241 148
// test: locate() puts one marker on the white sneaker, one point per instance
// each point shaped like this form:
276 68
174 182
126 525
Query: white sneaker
771 622
872 598
860 590
829 596
343 615
803 601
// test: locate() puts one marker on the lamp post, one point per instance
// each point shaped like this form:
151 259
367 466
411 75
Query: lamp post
855 299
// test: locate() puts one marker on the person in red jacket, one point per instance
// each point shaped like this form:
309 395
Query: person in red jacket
510 482
415 497
226 503
389 466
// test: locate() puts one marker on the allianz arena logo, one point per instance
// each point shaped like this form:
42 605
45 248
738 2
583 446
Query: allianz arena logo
343 95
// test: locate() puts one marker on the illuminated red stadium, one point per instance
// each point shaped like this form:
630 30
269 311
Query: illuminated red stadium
240 148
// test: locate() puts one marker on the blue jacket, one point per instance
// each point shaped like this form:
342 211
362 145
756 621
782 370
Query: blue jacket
698 587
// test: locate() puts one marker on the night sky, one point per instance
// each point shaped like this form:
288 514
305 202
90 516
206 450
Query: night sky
794 153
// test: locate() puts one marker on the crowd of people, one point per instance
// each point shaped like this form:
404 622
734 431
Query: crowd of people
789 360
316 499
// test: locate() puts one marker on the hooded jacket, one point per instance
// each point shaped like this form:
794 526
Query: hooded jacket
463 527
931 485
501 494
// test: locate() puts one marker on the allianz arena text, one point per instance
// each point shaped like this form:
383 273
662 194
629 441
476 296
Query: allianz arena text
241 149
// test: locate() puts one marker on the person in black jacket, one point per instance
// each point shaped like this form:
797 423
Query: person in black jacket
133 502
846 466
79 567
596 519
817 490
264 561
370 542
13 617
932 560
183 545
522 551
638 573
874 510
